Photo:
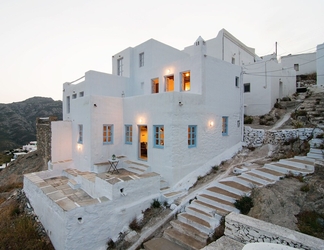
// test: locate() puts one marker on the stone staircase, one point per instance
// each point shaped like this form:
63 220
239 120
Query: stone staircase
192 228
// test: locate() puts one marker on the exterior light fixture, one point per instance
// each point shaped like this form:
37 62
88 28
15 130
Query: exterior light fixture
211 123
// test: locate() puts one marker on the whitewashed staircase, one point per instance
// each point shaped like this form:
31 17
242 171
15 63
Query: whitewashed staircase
192 228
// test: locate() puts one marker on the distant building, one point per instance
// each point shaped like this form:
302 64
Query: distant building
302 63
320 64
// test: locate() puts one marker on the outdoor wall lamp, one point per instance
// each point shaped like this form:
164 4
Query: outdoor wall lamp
211 123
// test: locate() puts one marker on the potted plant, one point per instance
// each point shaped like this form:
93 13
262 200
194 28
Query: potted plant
113 157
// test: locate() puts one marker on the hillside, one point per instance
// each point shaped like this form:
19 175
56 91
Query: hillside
18 120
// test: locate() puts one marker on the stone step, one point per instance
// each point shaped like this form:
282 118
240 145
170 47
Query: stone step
190 231
251 182
316 151
135 170
298 163
170 197
268 173
197 212
235 185
315 156
286 169
216 211
182 240
304 158
163 184
195 222
257 177
223 193
226 205
162 244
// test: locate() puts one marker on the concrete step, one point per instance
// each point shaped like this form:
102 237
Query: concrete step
136 167
232 184
298 163
258 178
268 173
315 156
170 197
73 184
286 169
190 231
215 211
195 222
304 158
223 193
161 244
163 184
226 205
252 183
315 142
197 212
316 151
182 240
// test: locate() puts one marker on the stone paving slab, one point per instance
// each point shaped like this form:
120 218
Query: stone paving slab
66 204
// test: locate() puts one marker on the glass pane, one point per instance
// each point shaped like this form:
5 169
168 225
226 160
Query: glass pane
193 142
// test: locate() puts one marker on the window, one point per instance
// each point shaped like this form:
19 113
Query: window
128 134
185 86
158 136
81 94
80 139
108 131
155 85
192 136
68 104
224 125
233 60
74 96
237 82
296 67
169 83
247 88
120 66
141 59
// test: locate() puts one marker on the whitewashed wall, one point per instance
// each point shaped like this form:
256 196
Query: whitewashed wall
61 141
306 62
320 64
246 229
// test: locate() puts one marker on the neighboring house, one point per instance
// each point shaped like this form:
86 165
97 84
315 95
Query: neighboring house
162 109
265 81
302 63
320 64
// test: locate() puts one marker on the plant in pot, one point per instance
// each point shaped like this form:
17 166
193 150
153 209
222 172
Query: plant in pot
113 157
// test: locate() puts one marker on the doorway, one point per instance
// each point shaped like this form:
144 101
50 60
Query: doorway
142 142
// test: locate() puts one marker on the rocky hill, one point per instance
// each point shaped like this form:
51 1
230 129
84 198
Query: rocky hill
18 120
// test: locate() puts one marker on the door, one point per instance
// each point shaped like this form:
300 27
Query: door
142 142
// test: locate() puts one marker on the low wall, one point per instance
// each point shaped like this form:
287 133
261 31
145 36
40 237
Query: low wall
246 229
258 137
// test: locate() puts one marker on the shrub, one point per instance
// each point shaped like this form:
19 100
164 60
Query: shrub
135 225
248 120
277 105
155 204
305 188
311 223
244 204
218 232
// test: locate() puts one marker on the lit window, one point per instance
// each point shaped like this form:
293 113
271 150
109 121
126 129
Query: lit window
224 125
128 134
185 81
108 131
296 67
80 139
68 104
141 59
158 136
120 66
169 83
247 87
155 85
192 136
74 96
81 94
237 81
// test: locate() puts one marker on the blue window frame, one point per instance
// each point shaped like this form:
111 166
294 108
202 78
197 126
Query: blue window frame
108 134
158 136
192 136
225 125
80 138
128 134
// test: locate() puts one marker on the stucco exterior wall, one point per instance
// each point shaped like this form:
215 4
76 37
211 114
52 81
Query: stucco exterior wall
61 141
320 64
306 62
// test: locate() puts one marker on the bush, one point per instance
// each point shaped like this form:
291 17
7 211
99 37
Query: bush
248 120
135 225
311 223
155 204
277 105
244 204
305 188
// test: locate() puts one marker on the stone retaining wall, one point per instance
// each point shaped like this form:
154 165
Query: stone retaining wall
258 137
246 229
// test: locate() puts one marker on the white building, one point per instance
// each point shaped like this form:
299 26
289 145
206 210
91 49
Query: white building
265 81
302 63
162 109
320 64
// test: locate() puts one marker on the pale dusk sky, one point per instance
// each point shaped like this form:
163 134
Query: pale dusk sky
46 43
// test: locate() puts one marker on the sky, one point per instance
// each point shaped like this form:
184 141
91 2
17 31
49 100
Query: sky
44 43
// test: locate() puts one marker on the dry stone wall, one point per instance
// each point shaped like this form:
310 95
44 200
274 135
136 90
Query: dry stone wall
246 229
44 137
258 137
